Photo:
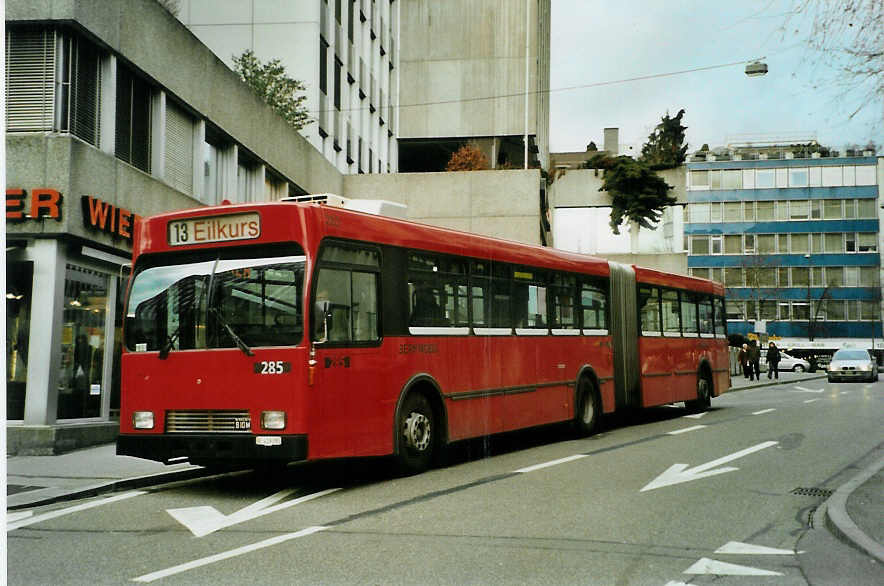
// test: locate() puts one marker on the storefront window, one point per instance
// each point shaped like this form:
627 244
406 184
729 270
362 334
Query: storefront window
80 384
18 318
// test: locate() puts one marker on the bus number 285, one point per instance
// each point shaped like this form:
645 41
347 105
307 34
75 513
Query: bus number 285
272 367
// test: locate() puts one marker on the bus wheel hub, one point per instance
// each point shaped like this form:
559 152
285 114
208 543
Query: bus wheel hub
417 431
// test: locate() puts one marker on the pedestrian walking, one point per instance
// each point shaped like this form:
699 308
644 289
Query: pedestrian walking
773 361
755 360
743 358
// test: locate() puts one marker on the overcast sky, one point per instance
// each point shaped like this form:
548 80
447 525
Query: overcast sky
597 41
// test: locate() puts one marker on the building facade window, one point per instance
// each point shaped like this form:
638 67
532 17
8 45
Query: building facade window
30 80
179 148
80 85
133 118
81 374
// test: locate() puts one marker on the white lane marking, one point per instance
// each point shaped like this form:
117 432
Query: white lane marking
81 507
763 411
678 473
696 415
805 390
845 392
204 520
551 463
812 400
228 554
738 548
18 515
676 583
686 429
707 566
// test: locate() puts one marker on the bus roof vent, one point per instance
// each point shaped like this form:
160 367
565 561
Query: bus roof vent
379 207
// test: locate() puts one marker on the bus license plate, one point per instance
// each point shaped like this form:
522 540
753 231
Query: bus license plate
214 229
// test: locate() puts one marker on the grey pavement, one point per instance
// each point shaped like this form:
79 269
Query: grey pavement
853 512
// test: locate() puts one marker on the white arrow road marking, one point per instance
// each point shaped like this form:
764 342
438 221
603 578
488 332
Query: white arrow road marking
204 520
738 548
707 566
30 520
696 415
686 429
804 390
763 411
227 554
551 463
678 473
812 400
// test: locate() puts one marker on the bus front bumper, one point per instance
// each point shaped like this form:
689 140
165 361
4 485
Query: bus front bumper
219 449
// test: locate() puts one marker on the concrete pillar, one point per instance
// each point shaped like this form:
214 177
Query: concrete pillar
199 152
44 339
158 134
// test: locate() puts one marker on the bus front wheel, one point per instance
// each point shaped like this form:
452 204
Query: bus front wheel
416 434
586 416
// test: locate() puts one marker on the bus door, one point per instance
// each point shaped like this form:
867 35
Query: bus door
350 380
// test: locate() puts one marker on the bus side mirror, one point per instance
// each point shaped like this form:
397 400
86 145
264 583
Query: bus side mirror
322 321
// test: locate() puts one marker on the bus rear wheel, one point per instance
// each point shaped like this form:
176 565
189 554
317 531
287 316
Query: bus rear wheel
586 415
704 396
416 434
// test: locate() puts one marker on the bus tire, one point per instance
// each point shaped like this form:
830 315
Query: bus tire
704 395
417 434
588 408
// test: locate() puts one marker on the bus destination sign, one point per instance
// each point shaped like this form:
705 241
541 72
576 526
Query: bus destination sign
214 229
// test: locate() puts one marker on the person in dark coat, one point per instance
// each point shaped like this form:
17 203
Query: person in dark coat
755 360
773 360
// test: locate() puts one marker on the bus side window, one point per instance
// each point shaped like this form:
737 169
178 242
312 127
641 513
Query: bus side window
649 309
594 305
689 314
706 321
671 313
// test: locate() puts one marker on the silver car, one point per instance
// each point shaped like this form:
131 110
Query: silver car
786 363
852 364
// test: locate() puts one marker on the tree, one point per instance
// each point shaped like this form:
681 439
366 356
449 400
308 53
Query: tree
638 195
467 158
849 36
272 85
665 148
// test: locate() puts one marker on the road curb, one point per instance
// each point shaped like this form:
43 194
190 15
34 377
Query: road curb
772 383
840 523
121 484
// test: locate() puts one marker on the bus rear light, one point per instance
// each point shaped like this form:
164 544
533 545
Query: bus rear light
142 419
273 420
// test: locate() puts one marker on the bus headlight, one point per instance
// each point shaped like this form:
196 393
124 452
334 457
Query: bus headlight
273 420
142 419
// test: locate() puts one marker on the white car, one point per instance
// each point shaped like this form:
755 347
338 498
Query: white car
786 363
850 364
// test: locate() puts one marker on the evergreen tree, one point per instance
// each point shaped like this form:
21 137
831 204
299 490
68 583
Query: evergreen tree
271 83
665 148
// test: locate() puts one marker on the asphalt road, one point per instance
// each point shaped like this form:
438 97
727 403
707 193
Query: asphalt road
662 498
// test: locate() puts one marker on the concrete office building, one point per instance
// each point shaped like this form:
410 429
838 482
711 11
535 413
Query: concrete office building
399 86
794 234
474 71
346 52
114 110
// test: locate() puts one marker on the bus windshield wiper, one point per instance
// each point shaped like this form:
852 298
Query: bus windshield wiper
239 343
170 342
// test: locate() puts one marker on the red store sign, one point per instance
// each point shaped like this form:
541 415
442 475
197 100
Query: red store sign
47 203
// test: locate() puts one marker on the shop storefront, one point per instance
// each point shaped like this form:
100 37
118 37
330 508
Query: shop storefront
64 299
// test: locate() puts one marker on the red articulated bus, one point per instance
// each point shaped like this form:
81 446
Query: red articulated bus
281 332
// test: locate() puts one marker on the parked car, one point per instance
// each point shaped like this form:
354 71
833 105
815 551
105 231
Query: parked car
787 362
852 364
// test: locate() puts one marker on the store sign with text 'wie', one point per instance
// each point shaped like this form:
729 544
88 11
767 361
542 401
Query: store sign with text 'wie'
43 202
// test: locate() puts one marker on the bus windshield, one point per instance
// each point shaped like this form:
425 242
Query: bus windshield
216 303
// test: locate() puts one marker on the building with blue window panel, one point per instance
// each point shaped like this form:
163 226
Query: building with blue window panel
795 238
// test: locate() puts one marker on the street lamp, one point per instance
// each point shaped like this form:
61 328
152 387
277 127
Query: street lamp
756 69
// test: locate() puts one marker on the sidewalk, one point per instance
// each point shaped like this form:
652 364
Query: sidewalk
853 512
